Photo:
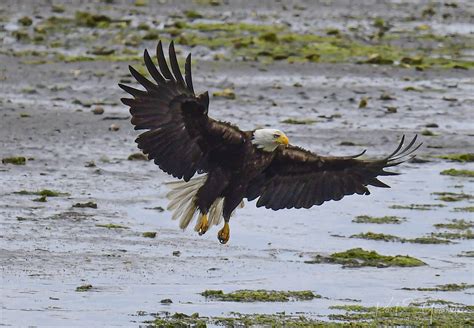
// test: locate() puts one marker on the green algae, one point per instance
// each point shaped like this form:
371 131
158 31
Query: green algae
57 8
411 88
441 302
456 224
428 133
269 320
86 205
468 209
377 59
111 226
358 257
84 288
378 220
377 236
137 157
424 314
92 20
16 160
386 237
235 319
226 93
467 234
419 207
443 288
105 58
25 21
458 173
192 14
298 121
452 196
260 295
178 320
149 234
276 42
43 192
466 254
403 316
41 199
261 42
467 157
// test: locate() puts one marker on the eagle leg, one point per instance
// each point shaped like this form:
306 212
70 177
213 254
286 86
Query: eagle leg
203 225
224 234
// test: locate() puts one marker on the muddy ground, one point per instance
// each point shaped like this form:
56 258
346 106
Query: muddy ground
48 249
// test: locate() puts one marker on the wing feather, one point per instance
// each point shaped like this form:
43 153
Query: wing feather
175 65
162 62
187 74
180 135
303 179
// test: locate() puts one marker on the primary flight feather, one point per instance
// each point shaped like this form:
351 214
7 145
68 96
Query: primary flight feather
232 164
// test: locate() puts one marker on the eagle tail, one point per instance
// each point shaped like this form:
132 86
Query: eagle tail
182 198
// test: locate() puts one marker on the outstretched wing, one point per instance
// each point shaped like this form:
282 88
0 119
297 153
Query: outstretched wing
299 178
180 135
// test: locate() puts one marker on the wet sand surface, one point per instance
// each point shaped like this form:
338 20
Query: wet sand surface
50 248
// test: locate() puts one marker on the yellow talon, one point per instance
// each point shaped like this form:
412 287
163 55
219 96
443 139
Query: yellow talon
203 225
224 234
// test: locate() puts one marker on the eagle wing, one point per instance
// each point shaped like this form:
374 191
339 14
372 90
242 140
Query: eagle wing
299 178
180 134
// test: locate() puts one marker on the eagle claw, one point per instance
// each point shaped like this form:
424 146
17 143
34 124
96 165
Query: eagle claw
224 234
203 225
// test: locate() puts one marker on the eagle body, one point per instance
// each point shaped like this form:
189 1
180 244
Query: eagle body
230 171
218 165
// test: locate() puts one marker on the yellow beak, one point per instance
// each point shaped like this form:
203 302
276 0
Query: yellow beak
283 140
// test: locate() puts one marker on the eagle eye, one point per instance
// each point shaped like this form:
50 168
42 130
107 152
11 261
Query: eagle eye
276 135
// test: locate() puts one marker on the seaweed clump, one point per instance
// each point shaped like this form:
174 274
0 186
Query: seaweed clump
458 173
452 196
84 288
443 288
233 320
149 234
419 207
358 257
455 224
17 160
378 220
404 316
468 157
260 295
298 121
85 205
385 237
92 20
43 192
111 226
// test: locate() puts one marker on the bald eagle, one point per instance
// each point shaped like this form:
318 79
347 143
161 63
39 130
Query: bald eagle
229 164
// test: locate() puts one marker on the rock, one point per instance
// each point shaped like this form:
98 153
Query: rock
138 157
114 127
98 110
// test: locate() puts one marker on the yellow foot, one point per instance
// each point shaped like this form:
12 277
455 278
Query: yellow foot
203 225
224 234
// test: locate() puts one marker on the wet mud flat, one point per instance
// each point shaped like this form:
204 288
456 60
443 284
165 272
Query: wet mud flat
85 239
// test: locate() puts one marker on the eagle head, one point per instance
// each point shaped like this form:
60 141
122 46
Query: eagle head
269 139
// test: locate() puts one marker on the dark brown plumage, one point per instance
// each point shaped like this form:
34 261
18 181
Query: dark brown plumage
184 141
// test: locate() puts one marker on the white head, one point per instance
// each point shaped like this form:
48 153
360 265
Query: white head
269 139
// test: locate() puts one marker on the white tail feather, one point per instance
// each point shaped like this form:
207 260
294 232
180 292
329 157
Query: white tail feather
182 198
